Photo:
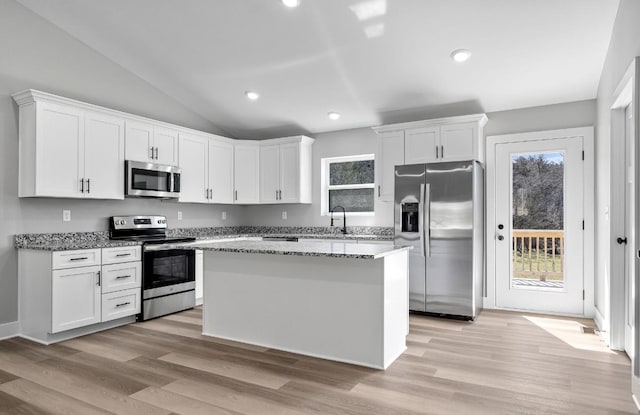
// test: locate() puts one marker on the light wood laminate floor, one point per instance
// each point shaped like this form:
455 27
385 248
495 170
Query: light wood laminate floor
503 363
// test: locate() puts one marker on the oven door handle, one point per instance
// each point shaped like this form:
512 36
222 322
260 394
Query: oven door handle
166 247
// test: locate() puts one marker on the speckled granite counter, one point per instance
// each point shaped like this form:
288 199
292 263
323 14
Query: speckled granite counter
301 248
67 241
88 240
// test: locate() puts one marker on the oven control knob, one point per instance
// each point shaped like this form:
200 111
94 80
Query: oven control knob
123 222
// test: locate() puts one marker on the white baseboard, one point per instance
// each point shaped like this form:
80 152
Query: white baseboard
9 330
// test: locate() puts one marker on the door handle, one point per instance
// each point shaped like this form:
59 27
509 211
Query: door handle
437 152
442 151
427 219
235 195
88 185
82 185
157 151
99 278
151 153
621 241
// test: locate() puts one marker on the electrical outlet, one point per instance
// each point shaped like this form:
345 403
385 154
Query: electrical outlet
179 215
66 216
224 215
284 215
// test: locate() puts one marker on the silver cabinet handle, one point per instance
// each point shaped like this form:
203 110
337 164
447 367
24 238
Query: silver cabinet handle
81 258
123 304
276 195
126 254
82 185
280 194
152 153
99 278
437 152
235 195
88 185
157 151
378 190
442 151
210 193
121 277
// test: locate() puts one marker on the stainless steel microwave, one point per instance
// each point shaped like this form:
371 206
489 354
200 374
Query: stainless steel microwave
151 180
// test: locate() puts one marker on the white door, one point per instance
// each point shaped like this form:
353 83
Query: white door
138 141
269 174
221 171
246 173
75 298
289 170
60 150
165 146
629 238
103 156
194 162
539 225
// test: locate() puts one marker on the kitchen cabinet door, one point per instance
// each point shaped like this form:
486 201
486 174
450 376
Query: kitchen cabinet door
165 143
246 173
390 154
103 157
59 151
194 162
457 142
75 298
138 141
420 145
269 174
289 172
221 171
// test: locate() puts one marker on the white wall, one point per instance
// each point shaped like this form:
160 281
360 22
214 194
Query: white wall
35 54
624 46
363 141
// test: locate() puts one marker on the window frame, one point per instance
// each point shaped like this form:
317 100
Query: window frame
325 182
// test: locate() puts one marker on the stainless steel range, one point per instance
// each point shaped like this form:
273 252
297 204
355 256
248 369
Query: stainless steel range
168 273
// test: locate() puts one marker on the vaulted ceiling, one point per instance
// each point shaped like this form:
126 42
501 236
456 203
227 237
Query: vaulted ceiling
372 61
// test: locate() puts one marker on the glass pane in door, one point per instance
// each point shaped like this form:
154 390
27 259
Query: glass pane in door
537 217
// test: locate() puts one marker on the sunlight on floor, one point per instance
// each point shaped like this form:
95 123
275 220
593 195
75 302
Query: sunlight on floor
571 333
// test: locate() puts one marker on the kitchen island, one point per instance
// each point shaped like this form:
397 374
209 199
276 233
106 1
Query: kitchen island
340 301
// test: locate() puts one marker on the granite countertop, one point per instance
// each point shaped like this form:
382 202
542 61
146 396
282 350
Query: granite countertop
89 240
302 248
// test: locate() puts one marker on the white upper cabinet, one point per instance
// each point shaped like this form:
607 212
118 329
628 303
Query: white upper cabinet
151 143
103 156
285 170
68 151
246 172
439 140
390 154
207 169
194 162
221 170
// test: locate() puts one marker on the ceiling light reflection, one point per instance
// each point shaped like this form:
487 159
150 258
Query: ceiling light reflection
369 9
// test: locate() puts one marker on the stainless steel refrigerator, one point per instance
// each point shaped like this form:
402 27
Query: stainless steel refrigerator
439 210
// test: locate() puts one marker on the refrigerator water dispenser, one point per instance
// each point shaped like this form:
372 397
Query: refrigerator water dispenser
410 217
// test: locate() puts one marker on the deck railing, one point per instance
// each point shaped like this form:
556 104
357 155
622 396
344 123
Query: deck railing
538 254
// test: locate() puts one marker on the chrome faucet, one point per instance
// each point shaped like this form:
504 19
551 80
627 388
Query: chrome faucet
344 219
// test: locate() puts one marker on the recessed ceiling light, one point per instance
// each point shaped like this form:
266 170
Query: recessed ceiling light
252 95
291 3
334 115
460 55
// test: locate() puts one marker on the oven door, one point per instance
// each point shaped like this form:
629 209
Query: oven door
151 180
167 272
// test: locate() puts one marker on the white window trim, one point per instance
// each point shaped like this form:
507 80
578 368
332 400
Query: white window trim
324 185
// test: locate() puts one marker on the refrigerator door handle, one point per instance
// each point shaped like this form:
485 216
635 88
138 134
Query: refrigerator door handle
427 219
421 219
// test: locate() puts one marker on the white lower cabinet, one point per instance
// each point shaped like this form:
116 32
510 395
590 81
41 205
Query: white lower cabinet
75 298
120 304
65 294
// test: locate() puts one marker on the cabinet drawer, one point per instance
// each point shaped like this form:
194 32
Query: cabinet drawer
116 277
74 259
120 304
121 254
